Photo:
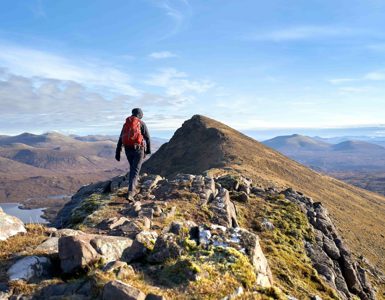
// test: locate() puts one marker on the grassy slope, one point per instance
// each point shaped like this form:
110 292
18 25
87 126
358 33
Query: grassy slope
358 214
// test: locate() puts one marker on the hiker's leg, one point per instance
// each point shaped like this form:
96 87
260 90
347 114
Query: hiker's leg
130 157
135 168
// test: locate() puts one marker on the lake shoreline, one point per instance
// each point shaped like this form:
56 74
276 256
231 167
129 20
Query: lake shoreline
33 215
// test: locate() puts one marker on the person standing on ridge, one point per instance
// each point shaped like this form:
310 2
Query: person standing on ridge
136 141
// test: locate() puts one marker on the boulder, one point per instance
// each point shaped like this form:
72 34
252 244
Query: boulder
30 269
49 246
76 290
10 226
150 181
118 290
67 232
229 182
178 227
132 228
143 243
110 247
166 247
76 252
112 223
147 212
120 269
257 191
116 183
242 197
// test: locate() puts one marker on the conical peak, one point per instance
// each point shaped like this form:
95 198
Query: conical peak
200 120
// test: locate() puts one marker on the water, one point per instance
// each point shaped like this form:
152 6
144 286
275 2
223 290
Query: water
26 215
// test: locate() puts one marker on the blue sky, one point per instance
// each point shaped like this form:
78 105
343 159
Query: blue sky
80 66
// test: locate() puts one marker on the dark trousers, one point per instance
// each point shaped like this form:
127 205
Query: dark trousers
135 159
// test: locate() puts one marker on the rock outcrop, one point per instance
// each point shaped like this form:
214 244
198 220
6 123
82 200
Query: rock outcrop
330 256
9 226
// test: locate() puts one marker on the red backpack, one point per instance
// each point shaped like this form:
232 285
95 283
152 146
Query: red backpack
132 133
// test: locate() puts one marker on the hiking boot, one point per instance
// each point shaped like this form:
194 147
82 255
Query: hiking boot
130 196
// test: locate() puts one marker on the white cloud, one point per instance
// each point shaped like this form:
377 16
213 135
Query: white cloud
371 76
42 91
353 89
298 33
375 76
177 85
31 62
162 55
337 81
48 104
178 10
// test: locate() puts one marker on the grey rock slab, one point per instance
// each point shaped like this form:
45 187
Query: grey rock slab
119 290
250 242
110 247
223 209
30 268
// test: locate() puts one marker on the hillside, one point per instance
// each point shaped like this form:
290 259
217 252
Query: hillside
202 143
296 142
359 146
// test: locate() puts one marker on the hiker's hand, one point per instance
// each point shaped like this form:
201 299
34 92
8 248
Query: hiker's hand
117 155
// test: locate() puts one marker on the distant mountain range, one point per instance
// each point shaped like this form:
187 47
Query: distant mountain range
344 156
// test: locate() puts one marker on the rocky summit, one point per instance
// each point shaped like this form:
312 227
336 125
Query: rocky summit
211 231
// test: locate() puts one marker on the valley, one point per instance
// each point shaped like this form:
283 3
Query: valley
36 169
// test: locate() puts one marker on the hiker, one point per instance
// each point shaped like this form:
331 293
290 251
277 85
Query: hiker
136 141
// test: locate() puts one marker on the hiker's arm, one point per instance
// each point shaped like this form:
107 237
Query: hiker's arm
146 136
119 147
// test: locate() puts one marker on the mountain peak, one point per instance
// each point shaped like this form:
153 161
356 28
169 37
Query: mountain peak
195 147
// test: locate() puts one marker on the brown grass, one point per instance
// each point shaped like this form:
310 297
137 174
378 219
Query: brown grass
22 243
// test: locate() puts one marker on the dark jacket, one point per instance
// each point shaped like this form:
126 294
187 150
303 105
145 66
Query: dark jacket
146 136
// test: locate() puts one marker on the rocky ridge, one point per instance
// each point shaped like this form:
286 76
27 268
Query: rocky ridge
179 234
